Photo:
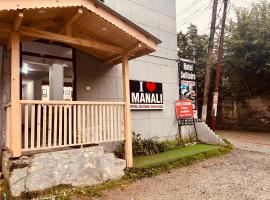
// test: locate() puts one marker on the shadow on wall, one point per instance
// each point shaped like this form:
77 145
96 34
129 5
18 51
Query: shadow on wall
250 114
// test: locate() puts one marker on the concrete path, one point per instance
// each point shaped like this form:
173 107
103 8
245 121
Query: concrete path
250 141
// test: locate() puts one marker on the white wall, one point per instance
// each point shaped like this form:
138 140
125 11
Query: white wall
158 18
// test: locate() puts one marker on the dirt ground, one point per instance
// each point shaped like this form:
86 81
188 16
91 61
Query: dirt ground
251 141
236 176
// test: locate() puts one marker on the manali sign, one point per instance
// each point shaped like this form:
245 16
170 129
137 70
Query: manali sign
146 95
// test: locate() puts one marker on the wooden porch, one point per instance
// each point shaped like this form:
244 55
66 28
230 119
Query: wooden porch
90 26
60 124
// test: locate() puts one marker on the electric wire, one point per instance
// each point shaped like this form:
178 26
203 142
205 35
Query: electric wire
196 13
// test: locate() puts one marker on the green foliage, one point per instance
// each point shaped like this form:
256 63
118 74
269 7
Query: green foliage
247 50
246 60
142 146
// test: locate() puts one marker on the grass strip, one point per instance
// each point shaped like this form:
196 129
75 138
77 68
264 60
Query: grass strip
172 155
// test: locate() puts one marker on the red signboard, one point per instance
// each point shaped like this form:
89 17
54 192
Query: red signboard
184 109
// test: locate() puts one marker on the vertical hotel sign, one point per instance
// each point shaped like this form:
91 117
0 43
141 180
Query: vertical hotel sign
187 83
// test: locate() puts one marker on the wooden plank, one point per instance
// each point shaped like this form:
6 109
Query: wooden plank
55 125
96 124
126 51
33 120
92 125
15 111
104 125
108 121
65 125
100 123
70 102
70 124
44 132
67 27
50 126
83 125
60 126
126 95
42 23
88 118
26 117
79 124
38 125
75 124
115 121
111 124
37 33
18 21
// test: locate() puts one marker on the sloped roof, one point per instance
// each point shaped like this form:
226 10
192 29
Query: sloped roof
97 22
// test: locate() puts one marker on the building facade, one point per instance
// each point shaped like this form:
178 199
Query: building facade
158 17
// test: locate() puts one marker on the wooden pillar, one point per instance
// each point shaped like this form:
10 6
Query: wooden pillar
15 95
126 96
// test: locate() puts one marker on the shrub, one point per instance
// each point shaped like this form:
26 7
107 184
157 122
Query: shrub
142 146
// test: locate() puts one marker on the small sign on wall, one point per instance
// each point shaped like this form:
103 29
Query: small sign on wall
184 109
146 95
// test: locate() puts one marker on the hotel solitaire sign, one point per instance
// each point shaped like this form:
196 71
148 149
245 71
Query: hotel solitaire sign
146 95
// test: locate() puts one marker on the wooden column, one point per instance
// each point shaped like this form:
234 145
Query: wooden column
126 96
15 95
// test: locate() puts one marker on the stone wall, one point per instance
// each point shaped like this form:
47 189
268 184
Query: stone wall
77 167
251 114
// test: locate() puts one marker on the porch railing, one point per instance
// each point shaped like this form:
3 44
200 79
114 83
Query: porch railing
56 124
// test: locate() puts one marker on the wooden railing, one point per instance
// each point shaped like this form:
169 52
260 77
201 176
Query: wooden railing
55 124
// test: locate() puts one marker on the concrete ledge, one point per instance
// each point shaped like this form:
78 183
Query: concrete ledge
78 167
208 136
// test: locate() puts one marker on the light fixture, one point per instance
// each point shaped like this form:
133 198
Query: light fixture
41 11
25 68
104 29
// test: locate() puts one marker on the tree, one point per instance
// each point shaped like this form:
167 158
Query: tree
247 52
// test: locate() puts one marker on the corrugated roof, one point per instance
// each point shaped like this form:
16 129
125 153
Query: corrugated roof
8 5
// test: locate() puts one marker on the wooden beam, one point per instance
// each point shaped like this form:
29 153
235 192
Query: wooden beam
42 23
37 33
18 21
67 27
127 51
127 118
15 96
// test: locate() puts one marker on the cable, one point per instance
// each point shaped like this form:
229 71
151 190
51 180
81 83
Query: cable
187 8
196 13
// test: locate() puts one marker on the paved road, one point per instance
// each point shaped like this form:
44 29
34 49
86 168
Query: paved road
251 141
241 175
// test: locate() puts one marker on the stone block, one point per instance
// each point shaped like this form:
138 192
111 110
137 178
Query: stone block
17 181
77 167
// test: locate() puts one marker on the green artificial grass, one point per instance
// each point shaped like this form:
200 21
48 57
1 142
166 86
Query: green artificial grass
172 155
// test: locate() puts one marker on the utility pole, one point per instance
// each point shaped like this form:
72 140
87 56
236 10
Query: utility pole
219 67
209 61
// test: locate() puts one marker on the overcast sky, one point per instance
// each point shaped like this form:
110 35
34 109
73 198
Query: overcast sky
199 12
